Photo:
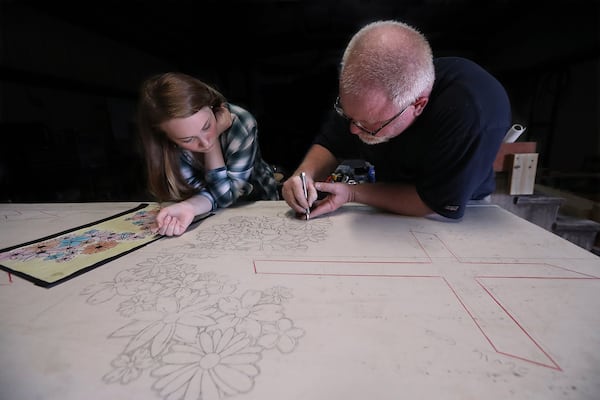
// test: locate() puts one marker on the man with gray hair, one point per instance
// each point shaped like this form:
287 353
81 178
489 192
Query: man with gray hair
430 126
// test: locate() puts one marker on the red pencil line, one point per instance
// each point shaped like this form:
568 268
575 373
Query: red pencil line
517 323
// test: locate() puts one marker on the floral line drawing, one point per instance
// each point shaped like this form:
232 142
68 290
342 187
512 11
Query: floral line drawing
262 233
193 332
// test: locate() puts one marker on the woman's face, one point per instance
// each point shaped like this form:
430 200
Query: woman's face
196 133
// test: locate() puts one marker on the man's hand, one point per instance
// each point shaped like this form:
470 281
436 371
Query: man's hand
338 194
293 194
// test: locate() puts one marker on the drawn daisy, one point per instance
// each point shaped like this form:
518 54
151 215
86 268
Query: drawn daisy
221 364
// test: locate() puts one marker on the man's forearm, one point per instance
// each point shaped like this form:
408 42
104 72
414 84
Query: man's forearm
396 198
318 163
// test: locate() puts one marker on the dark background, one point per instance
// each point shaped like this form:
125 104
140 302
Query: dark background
70 72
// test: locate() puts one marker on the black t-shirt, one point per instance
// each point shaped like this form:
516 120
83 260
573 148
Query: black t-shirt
449 151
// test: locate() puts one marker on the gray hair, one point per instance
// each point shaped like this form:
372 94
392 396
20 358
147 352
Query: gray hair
390 56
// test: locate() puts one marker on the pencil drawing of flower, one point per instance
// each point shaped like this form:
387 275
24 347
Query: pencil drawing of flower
265 234
247 314
282 335
172 319
190 331
220 364
159 266
137 304
277 295
215 285
126 283
182 286
129 367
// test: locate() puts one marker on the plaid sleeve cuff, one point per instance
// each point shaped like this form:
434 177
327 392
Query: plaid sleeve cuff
215 175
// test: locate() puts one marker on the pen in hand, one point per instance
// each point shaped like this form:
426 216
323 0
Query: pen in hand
305 189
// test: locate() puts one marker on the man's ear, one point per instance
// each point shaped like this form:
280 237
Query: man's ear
420 104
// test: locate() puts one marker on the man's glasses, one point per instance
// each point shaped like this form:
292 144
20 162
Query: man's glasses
338 109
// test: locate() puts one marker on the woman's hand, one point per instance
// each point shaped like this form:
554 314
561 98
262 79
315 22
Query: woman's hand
174 219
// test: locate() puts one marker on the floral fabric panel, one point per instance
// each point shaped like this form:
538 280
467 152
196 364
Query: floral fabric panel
56 258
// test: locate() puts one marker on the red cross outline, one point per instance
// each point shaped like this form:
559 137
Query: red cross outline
462 280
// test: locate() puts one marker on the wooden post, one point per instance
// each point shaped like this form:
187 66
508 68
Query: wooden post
522 174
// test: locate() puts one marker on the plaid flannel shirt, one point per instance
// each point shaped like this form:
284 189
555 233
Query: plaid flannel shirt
245 174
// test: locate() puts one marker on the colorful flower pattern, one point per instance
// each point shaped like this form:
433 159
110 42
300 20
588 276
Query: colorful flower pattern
65 248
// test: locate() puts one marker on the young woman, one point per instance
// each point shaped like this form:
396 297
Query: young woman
201 152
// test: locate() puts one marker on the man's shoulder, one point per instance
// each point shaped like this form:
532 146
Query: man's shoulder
463 75
455 63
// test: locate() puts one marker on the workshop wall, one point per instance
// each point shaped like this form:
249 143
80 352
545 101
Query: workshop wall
69 83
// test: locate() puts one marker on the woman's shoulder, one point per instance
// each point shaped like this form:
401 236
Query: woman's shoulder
240 112
242 117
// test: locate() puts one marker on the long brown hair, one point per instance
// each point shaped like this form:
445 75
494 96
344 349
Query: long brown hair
164 97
